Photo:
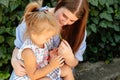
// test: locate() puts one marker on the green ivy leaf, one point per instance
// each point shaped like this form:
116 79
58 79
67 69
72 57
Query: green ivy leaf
88 31
1 39
4 75
117 38
95 20
2 51
106 16
102 45
2 29
94 49
110 2
110 25
94 12
10 41
1 12
93 28
93 2
107 61
4 2
14 4
116 27
110 10
102 2
10 31
103 24
109 37
104 38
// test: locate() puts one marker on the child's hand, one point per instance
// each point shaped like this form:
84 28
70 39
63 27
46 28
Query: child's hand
57 62
53 53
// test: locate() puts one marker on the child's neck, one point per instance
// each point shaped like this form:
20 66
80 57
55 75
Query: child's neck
41 46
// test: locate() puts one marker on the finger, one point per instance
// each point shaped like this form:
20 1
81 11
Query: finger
65 42
62 64
63 45
62 61
21 63
56 49
60 58
21 74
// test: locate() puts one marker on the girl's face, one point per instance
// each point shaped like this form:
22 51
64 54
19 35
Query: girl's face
65 17
39 40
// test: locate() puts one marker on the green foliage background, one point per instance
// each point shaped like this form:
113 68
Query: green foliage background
103 30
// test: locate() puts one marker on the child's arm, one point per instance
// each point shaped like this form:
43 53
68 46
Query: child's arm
31 65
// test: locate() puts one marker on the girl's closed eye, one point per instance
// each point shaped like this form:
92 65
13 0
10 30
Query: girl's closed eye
65 16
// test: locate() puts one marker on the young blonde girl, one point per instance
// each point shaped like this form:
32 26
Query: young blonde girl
41 27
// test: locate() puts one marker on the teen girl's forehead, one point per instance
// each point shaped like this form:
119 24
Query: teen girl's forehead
69 14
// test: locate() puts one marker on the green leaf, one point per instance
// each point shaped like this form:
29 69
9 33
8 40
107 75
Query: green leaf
102 45
109 37
110 2
93 28
95 20
10 31
107 61
4 2
94 12
1 39
14 4
2 29
94 49
117 38
93 2
110 25
104 38
88 31
113 44
106 16
110 10
4 75
102 2
116 27
103 24
2 51
10 41
1 12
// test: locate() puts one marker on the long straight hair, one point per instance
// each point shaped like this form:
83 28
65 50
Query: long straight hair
75 33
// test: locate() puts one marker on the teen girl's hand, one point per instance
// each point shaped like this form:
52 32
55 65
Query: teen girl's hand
66 51
18 65
57 62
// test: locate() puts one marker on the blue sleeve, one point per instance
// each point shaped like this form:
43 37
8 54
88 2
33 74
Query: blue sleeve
81 50
20 30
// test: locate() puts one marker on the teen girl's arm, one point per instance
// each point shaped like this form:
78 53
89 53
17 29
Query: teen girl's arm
31 66
17 64
66 51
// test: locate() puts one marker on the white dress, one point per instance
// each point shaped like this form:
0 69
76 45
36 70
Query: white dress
41 55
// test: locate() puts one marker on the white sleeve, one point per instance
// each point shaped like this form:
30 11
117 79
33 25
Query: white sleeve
80 52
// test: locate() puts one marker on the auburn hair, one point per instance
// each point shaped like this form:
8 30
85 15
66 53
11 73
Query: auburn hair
75 33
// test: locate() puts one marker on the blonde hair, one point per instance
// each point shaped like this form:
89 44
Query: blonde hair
39 21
